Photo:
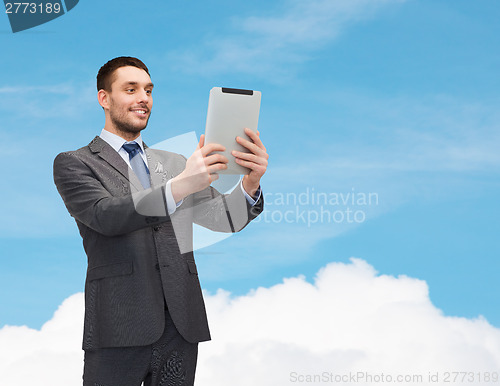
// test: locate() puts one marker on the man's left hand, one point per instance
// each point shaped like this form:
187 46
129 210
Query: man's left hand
256 160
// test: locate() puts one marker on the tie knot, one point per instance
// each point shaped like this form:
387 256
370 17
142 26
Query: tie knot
132 149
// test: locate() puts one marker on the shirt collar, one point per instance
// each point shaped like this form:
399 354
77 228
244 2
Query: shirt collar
116 142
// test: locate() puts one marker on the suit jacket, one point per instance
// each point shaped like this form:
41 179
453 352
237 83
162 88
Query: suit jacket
139 257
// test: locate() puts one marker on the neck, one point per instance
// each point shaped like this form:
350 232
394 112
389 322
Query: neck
127 136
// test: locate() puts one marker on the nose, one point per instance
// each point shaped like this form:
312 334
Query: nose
143 97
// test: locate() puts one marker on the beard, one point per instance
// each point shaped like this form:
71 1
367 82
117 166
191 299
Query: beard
126 125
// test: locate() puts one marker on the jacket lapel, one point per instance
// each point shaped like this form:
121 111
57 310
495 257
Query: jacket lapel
107 153
157 169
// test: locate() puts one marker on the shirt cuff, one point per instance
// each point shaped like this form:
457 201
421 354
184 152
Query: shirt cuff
169 198
252 201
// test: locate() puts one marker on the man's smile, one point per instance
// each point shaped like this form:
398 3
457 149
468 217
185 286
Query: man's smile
141 112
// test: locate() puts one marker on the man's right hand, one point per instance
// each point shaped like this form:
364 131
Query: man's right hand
201 170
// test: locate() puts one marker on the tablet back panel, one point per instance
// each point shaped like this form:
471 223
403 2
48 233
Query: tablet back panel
229 112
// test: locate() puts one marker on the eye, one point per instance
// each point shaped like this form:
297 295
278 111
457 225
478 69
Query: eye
149 92
130 90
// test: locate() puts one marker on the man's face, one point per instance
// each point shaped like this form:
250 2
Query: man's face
130 99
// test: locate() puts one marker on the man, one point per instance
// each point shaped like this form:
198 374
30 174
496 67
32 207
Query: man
134 207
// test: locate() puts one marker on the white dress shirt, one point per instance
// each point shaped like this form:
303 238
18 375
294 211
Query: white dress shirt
116 142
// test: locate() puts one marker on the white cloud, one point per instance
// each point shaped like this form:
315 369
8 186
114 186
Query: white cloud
403 133
64 100
63 89
402 148
264 44
349 320
50 356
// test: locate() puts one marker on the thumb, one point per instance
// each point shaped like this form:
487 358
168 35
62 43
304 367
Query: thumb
202 141
214 177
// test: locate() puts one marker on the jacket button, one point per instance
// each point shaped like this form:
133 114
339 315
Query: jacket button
158 266
156 228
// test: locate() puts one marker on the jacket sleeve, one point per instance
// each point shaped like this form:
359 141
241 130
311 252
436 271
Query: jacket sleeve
88 201
224 212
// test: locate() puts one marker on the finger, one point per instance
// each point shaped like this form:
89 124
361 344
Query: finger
216 168
254 137
250 157
214 177
260 169
211 147
252 146
202 141
215 158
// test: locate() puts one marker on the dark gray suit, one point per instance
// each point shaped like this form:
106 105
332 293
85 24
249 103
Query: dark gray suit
139 257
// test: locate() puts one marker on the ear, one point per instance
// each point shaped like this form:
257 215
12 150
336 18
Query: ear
103 99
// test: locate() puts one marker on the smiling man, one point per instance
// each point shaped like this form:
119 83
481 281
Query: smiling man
134 207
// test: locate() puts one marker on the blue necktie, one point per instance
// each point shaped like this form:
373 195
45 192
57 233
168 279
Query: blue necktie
138 166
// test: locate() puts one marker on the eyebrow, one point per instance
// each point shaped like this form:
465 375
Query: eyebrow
136 83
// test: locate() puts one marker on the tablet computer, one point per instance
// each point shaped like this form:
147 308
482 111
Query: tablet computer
230 110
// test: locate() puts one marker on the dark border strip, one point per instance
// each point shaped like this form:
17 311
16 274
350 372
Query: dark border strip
237 91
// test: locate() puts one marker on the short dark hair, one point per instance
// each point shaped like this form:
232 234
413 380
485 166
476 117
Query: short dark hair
105 74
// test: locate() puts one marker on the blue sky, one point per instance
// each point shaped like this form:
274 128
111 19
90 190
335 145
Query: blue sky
396 98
